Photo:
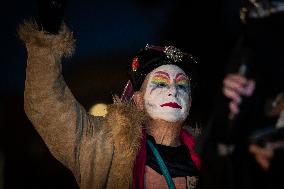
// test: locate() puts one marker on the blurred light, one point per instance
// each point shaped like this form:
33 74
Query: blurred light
99 109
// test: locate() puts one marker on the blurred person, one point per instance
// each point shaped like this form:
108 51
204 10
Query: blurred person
244 146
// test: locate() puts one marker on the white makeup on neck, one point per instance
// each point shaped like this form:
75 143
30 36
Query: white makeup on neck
167 95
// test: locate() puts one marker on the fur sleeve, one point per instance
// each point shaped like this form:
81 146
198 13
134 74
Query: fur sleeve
48 102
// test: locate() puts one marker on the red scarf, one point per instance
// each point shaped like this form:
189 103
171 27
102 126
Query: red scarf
139 167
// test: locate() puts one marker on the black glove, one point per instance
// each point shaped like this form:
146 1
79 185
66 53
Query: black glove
50 14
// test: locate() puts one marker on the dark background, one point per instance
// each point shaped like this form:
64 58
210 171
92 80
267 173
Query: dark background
108 34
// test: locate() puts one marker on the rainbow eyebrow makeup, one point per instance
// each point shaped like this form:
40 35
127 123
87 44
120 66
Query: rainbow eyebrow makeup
161 78
182 80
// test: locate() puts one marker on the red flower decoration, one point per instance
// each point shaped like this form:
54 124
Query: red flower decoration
135 64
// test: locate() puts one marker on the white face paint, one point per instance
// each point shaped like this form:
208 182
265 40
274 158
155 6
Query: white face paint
167 95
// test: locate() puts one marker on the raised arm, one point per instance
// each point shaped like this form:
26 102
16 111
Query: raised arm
99 151
48 102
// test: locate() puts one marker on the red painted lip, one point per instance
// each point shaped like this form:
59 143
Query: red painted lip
172 105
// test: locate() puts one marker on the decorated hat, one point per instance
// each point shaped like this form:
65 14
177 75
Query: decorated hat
151 57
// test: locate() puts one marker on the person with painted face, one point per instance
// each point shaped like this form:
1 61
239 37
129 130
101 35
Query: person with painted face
140 143
162 79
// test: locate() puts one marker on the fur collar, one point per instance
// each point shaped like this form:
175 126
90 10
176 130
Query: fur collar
126 123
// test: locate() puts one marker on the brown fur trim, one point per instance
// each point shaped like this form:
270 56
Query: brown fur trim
127 123
63 44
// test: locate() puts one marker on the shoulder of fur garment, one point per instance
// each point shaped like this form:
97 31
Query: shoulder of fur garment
126 123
